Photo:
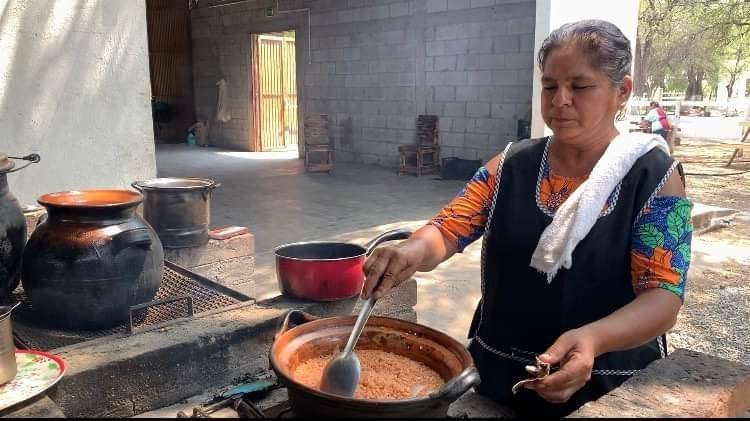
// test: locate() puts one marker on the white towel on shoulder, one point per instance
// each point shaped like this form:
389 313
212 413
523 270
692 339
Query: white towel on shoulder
580 211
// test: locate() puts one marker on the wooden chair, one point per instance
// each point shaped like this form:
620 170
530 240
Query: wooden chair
318 147
424 156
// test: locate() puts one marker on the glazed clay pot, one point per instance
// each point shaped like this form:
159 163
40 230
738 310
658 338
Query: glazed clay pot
91 260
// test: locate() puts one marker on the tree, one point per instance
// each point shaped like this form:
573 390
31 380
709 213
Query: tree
737 61
688 38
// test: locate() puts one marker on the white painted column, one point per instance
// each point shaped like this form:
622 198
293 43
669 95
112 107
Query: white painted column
551 14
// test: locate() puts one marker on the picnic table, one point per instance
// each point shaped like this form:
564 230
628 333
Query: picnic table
738 150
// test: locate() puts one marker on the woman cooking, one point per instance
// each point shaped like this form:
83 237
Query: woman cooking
586 238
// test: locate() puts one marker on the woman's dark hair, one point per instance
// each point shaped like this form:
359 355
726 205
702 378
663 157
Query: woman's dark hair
605 46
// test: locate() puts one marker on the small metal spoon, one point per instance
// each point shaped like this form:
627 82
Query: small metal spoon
342 372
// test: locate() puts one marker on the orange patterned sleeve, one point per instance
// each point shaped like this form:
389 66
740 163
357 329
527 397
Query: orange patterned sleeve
661 248
463 220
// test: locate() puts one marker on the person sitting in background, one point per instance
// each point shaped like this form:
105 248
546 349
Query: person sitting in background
658 118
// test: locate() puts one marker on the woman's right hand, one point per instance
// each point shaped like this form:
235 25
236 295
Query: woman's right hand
389 266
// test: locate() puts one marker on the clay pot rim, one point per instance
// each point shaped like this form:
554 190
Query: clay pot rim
91 198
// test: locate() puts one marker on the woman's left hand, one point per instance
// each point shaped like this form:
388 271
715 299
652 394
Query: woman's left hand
575 351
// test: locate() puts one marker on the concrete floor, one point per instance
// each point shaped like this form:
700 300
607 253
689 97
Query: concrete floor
272 195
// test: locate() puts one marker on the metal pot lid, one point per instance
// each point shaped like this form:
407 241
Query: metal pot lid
5 163
176 183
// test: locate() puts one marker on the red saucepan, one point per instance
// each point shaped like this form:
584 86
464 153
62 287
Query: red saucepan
326 271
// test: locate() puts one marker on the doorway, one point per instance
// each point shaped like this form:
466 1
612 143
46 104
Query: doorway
171 69
273 74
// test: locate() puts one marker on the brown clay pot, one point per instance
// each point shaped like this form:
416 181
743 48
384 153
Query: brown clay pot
91 260
303 336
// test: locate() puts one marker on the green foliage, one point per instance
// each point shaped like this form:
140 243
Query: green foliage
681 43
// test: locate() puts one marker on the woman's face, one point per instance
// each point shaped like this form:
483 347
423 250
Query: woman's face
578 101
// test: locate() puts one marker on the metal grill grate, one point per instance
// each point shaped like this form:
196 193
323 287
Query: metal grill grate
176 282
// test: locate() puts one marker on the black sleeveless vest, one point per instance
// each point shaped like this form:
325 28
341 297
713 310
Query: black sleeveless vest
521 314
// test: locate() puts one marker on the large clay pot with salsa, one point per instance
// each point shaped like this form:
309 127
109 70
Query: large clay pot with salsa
91 260
303 337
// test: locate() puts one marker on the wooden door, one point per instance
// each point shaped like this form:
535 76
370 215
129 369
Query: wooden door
276 97
171 67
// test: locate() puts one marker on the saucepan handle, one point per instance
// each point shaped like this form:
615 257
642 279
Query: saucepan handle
293 319
398 234
458 386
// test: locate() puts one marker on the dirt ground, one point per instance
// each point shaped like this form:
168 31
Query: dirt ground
716 315
709 181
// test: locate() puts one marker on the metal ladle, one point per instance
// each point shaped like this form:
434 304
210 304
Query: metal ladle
342 372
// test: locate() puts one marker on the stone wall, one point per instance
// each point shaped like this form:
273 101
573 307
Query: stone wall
376 65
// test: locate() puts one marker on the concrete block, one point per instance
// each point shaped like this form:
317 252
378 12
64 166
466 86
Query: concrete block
685 384
362 14
379 12
462 125
454 78
435 48
435 6
507 44
521 26
506 77
447 32
491 61
476 140
471 93
393 37
457 140
469 30
345 16
526 42
400 122
488 126
343 41
350 54
445 63
468 62
480 45
459 4
520 61
457 47
399 9
478 109
493 29
434 108
445 93
455 109
230 273
503 111
214 251
429 64
479 78
482 3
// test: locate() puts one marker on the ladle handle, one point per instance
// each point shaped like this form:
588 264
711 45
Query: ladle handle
364 315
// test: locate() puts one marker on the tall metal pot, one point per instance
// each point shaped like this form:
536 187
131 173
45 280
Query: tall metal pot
91 260
179 209
12 226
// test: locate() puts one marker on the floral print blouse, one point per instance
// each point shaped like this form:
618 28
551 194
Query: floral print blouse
661 236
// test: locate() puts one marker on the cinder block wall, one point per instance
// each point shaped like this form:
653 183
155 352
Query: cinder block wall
376 65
